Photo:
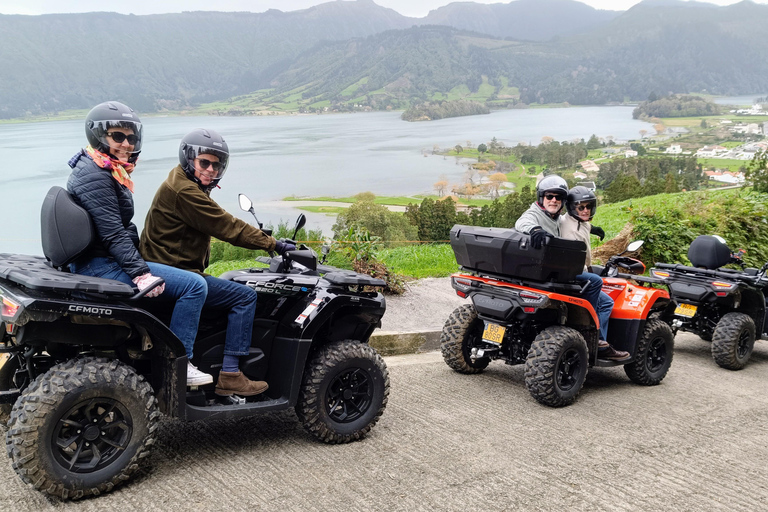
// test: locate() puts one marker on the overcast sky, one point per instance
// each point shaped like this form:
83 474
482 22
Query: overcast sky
415 8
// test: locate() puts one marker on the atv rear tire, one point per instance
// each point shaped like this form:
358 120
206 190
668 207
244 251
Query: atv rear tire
653 356
82 428
460 332
344 391
556 366
733 341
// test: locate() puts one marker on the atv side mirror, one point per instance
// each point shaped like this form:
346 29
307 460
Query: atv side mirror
245 203
637 244
299 224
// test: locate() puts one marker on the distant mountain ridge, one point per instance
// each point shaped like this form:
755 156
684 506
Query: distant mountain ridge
532 20
357 52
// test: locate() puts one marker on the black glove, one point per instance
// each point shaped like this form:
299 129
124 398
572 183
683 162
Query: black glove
597 231
281 247
538 235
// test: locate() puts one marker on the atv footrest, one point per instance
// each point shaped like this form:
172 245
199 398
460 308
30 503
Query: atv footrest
607 363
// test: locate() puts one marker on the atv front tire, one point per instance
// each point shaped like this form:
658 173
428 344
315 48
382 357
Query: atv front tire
82 428
556 366
460 332
733 341
653 356
344 391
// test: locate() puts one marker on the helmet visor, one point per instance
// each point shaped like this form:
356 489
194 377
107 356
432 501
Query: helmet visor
201 160
107 136
580 207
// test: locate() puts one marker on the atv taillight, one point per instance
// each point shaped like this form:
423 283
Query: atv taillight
659 273
462 284
531 297
724 285
9 309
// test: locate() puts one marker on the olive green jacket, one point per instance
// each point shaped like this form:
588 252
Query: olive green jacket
182 220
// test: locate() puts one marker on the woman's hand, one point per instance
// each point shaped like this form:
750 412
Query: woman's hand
145 281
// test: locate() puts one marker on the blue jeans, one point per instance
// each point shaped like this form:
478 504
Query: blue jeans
187 289
240 301
601 301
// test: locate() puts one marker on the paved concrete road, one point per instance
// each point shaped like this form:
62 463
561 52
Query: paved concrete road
698 441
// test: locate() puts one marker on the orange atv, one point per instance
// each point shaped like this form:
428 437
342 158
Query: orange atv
526 308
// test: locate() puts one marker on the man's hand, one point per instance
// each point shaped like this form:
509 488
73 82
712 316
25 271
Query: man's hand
145 281
598 232
538 235
281 247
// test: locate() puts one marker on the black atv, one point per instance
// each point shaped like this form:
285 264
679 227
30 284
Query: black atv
721 305
90 370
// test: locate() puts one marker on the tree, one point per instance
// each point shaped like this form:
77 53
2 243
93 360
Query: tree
670 184
704 123
494 182
636 146
458 148
482 148
440 187
659 128
593 142
643 133
547 139
757 172
376 219
622 188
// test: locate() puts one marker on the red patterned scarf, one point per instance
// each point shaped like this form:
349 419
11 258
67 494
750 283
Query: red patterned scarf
121 171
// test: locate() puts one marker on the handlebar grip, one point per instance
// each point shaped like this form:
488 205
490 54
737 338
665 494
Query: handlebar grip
148 289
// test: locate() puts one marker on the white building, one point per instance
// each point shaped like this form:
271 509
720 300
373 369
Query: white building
630 153
674 149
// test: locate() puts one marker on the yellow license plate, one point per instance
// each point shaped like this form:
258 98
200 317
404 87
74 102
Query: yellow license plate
688 310
493 333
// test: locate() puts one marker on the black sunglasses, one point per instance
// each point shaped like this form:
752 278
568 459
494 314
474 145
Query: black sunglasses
205 163
120 137
553 196
581 207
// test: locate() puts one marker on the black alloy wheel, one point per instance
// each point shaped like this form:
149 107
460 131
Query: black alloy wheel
349 395
91 435
569 369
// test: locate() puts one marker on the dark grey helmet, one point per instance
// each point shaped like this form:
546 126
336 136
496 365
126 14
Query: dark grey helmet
203 142
578 195
112 114
552 183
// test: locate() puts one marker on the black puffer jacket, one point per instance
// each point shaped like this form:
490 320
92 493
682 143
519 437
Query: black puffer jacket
110 205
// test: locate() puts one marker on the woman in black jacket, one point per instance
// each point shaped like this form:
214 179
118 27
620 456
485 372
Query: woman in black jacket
101 183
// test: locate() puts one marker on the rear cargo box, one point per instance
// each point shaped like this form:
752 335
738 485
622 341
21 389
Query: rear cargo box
508 252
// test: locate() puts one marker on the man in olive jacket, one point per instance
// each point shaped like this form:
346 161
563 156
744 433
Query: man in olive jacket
178 231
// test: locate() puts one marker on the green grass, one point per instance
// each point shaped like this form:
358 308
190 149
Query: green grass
328 210
419 261
613 217
722 163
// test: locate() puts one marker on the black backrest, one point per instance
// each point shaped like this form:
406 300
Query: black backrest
66 228
709 252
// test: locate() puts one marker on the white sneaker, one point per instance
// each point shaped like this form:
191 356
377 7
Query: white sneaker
197 378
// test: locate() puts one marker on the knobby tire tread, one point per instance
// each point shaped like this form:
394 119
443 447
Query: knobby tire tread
309 407
37 404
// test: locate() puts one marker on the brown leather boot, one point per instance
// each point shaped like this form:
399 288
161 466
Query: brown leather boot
236 383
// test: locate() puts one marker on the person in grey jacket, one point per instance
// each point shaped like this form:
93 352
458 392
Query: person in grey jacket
541 219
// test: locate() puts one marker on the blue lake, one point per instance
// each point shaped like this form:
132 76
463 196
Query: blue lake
278 156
